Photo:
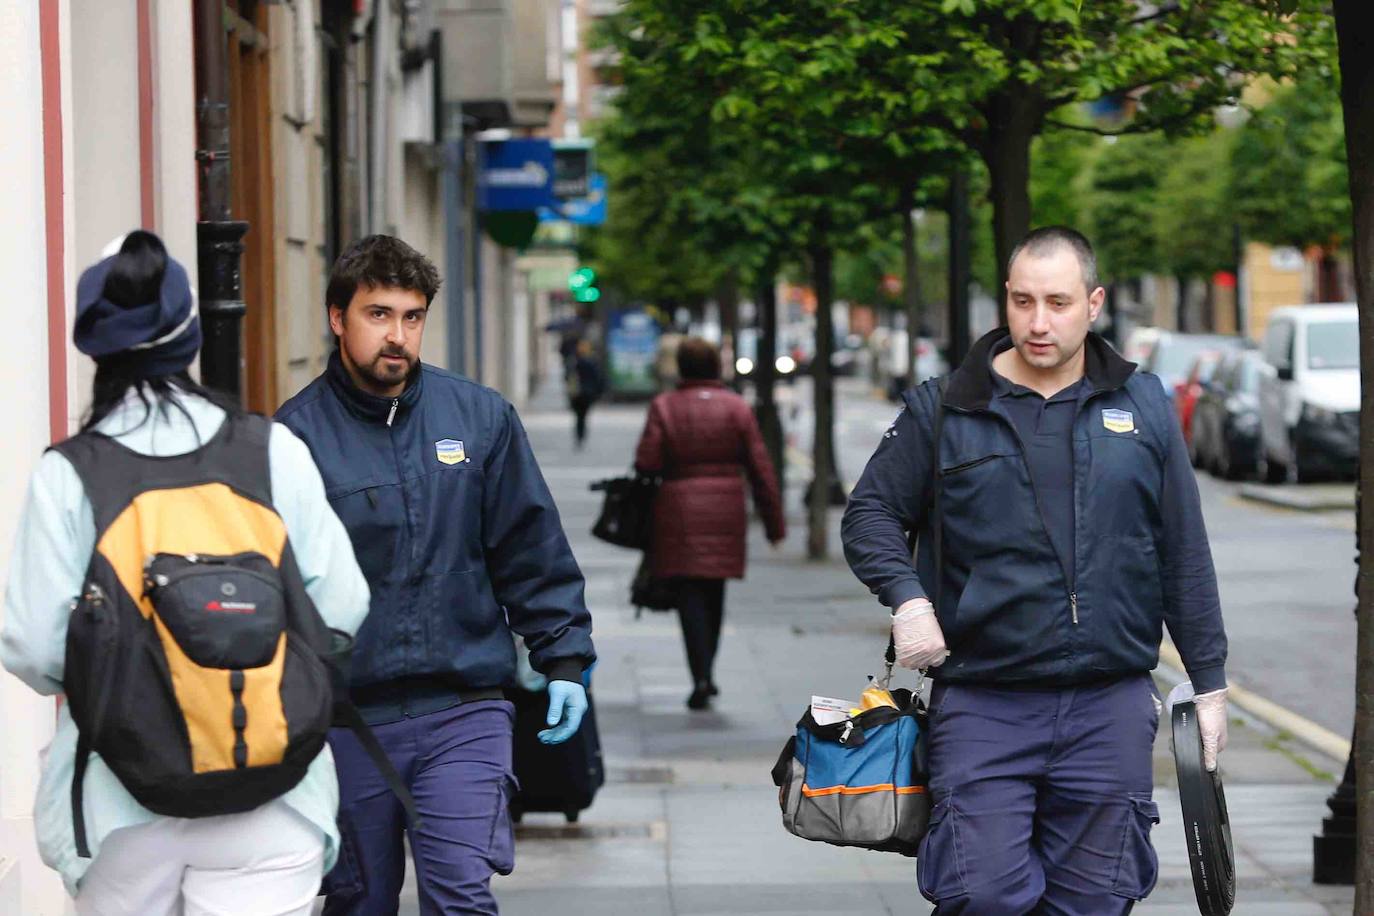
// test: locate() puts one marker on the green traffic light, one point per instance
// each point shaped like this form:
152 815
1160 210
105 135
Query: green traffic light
587 294
581 278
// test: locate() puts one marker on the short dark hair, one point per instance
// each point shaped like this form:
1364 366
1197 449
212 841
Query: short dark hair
380 260
698 359
1047 239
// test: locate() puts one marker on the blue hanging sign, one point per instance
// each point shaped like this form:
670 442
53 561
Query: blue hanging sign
585 211
515 175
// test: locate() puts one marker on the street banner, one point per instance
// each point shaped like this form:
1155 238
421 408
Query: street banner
631 348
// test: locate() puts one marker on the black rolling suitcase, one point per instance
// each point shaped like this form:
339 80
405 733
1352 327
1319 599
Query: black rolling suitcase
562 777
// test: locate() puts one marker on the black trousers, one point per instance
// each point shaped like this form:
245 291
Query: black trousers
580 407
701 608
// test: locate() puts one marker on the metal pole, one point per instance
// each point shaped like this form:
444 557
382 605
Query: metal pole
455 245
478 296
219 238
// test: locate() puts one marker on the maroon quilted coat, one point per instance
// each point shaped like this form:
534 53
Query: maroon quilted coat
703 441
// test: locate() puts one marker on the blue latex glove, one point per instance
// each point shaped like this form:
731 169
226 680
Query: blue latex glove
567 705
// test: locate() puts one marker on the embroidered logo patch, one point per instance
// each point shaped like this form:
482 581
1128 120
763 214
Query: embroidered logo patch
1118 421
450 451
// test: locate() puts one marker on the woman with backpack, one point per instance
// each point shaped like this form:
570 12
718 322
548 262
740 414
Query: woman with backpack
74 570
703 441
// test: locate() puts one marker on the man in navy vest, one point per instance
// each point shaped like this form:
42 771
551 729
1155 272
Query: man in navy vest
461 543
1072 532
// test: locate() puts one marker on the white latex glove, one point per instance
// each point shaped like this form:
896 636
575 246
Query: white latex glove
1211 722
917 635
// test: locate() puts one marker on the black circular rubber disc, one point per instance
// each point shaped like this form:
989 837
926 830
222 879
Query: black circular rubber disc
1206 826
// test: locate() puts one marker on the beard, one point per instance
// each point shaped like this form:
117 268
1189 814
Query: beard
382 373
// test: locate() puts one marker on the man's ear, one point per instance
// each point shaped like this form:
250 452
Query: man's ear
336 320
1095 302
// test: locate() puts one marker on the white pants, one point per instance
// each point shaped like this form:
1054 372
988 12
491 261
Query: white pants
265 862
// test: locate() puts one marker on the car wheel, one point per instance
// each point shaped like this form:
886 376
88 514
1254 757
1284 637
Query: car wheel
1270 471
1225 468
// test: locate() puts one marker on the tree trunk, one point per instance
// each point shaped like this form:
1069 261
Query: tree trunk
1182 322
958 323
765 373
911 286
727 298
822 450
1013 121
1355 37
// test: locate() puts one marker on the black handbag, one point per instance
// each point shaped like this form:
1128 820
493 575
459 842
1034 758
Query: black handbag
627 512
652 593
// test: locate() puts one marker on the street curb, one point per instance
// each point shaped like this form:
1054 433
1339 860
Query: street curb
1275 716
1324 499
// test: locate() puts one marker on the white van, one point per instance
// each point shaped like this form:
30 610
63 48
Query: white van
1310 403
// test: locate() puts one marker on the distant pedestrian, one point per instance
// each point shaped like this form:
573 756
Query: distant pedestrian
163 464
1072 532
703 440
586 385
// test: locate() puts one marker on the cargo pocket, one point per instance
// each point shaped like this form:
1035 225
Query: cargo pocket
501 843
344 882
1138 865
940 870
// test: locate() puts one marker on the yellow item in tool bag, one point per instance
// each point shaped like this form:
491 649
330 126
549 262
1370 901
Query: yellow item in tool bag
875 696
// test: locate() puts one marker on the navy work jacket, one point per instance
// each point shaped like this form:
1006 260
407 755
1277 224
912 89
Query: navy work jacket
1010 609
455 531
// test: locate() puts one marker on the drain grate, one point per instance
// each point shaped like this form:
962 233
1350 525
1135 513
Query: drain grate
528 831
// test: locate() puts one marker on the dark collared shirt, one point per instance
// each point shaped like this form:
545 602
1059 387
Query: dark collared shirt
1045 427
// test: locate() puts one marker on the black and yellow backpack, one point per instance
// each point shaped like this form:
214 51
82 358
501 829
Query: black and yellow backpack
197 667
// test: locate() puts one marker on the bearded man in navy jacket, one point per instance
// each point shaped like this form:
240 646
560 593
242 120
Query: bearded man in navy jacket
462 545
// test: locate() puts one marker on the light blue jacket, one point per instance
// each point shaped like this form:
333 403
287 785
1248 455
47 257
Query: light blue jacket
52 549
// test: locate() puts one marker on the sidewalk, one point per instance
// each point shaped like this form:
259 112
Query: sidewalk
688 820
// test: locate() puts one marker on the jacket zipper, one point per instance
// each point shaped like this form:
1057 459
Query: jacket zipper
405 506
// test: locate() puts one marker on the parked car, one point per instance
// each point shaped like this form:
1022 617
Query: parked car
1173 354
1310 408
1187 392
1226 422
1139 343
746 357
895 362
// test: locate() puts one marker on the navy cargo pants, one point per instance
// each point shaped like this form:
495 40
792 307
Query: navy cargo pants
457 763
1041 800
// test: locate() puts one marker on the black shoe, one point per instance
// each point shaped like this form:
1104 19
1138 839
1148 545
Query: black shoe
700 698
712 688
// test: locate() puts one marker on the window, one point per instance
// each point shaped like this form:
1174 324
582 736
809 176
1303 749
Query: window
1333 345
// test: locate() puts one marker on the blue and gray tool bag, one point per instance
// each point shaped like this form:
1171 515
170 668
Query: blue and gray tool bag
860 782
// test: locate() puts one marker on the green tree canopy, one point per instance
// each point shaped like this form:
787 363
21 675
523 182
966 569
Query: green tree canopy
1290 184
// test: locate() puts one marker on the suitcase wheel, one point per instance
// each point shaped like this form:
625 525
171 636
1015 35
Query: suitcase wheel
572 814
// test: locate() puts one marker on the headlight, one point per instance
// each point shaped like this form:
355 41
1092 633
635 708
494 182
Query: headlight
1319 415
744 365
785 364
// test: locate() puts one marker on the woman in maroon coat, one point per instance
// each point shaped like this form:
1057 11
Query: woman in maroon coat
703 441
